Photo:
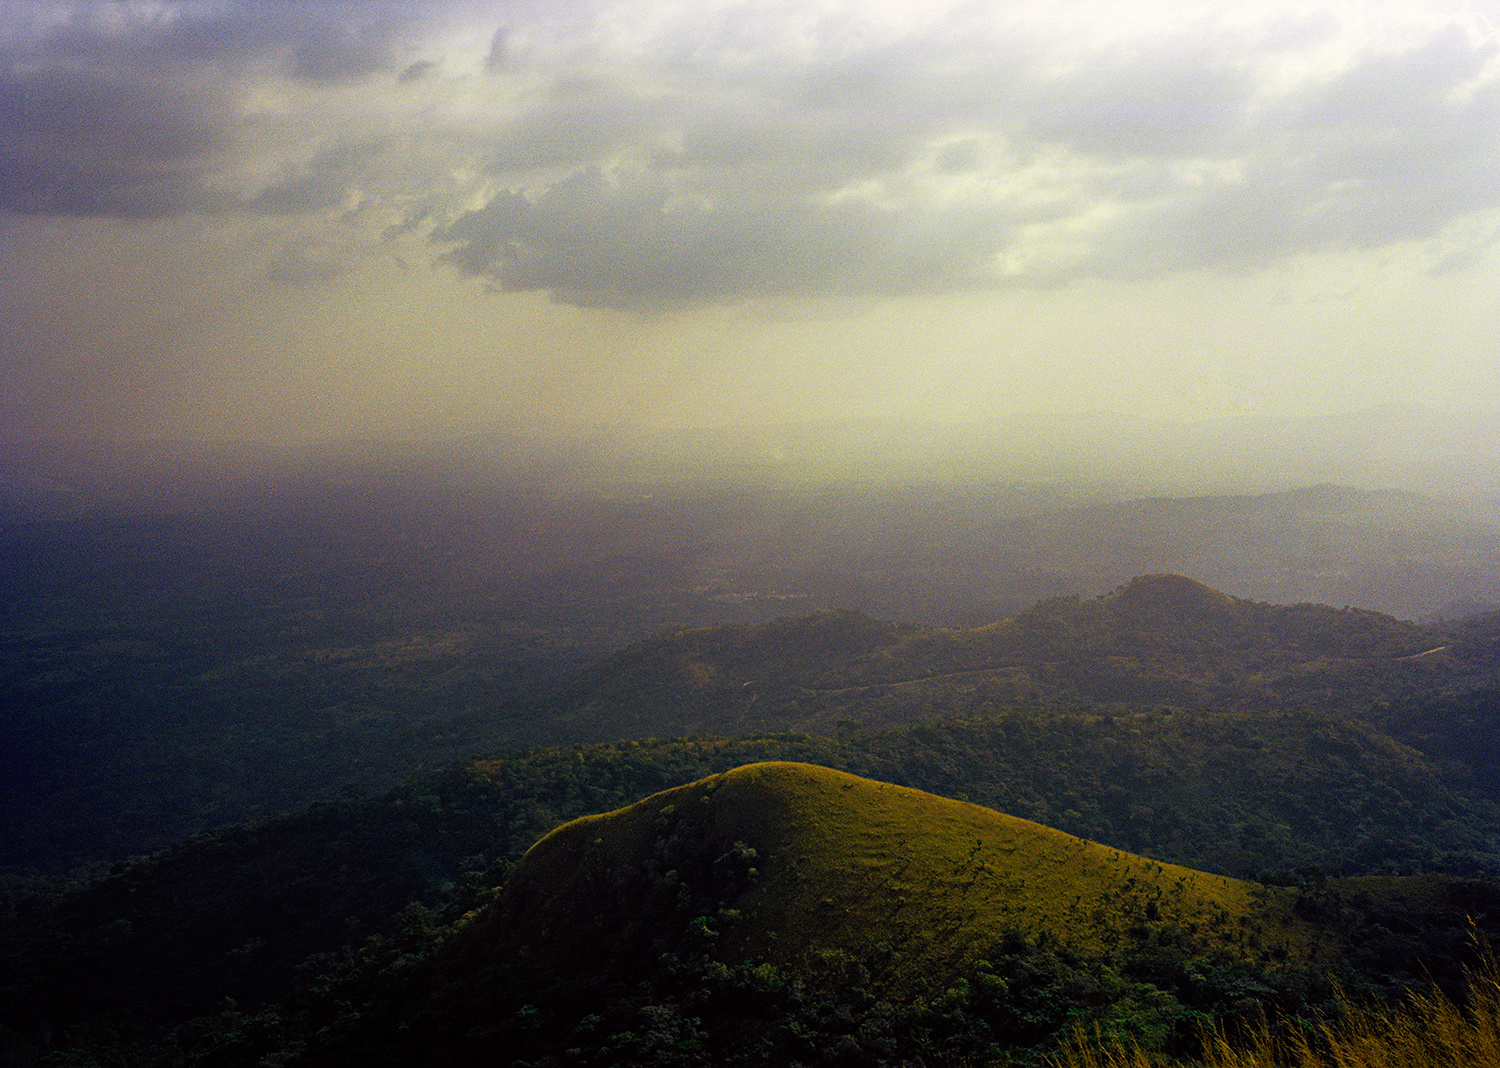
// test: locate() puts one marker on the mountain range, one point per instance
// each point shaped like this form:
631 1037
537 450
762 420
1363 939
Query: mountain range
1162 639
1152 808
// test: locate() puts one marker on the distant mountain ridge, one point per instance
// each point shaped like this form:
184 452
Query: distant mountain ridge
1158 639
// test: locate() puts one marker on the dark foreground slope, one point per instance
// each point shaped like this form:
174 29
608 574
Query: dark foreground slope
260 915
786 913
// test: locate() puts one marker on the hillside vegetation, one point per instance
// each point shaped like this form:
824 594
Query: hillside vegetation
1159 639
247 938
841 857
780 912
1165 720
260 643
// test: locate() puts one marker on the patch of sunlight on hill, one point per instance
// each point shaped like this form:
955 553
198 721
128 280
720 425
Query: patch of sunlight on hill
845 863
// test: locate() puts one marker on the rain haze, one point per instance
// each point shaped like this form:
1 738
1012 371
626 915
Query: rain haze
1083 408
286 222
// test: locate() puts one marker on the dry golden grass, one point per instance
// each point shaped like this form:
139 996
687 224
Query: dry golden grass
1430 1030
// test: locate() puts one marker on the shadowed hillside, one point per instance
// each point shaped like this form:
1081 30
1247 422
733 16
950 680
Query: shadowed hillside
1159 639
771 913
780 906
172 665
1157 597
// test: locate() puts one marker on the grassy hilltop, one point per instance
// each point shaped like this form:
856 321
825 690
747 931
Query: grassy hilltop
786 913
842 860
278 917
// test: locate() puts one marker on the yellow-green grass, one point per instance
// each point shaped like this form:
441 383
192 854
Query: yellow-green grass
1430 1030
847 865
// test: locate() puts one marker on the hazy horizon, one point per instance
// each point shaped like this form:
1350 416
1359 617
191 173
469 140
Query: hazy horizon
1089 456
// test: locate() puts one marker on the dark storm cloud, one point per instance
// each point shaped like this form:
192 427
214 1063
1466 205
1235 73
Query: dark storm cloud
654 155
761 168
1142 161
599 241
79 144
116 113
319 41
87 145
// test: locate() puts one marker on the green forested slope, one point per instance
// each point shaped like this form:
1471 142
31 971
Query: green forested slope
260 912
123 735
1160 639
784 913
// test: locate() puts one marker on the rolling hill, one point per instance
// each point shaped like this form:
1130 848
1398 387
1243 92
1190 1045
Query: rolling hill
708 918
759 882
836 857
202 670
1159 639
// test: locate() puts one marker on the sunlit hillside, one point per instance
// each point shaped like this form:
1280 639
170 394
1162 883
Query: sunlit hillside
838 857
758 914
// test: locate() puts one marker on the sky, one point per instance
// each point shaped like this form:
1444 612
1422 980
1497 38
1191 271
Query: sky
286 221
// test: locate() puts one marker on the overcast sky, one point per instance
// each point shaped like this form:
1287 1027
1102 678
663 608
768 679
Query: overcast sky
290 220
